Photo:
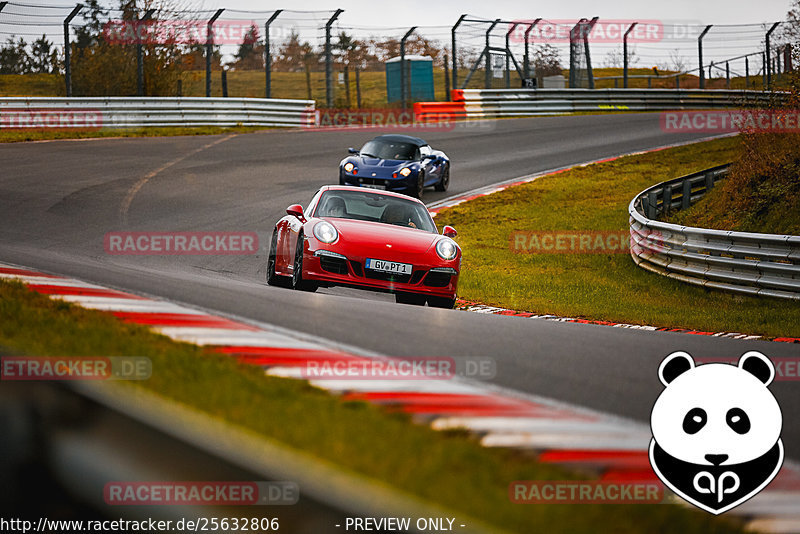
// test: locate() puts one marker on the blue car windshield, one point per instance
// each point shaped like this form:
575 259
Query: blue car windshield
374 207
379 148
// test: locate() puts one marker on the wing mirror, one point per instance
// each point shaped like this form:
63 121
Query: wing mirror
352 150
449 231
297 211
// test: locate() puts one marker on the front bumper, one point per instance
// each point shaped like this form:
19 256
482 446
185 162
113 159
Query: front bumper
397 185
434 279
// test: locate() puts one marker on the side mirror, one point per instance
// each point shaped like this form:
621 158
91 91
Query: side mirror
449 231
352 150
297 211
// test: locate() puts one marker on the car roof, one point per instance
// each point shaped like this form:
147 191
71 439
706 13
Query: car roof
367 190
402 139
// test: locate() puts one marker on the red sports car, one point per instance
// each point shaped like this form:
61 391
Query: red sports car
351 236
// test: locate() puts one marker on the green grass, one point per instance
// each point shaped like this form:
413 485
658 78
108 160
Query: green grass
598 286
22 135
446 468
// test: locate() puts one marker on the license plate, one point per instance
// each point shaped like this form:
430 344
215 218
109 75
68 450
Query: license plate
374 186
389 266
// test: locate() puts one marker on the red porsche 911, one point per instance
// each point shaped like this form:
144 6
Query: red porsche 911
378 240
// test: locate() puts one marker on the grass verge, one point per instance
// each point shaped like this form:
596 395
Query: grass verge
446 468
598 286
20 135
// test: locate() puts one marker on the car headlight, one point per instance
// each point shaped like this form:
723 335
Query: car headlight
405 171
446 249
348 167
325 232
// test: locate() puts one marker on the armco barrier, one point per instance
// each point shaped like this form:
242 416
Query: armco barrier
742 262
133 112
477 103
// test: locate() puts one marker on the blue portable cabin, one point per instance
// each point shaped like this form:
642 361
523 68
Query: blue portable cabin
420 71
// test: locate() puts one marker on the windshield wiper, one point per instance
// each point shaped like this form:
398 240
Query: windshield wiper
369 155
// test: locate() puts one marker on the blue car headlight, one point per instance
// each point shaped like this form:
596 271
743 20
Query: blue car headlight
405 172
446 249
325 232
348 167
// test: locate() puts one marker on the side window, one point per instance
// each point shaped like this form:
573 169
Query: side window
424 151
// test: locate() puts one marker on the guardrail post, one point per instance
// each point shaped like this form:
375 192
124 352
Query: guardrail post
140 55
625 56
210 48
686 198
652 205
67 52
527 59
268 54
405 92
455 54
709 181
488 81
666 203
329 60
508 49
700 55
767 51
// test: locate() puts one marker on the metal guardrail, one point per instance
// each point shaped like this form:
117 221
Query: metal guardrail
742 262
137 112
521 102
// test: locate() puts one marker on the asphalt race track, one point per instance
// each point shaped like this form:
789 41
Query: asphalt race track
58 200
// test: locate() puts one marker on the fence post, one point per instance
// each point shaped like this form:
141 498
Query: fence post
268 54
180 88
358 87
210 48
455 54
405 92
140 55
727 75
652 205
527 59
769 61
746 72
446 78
709 181
488 77
329 60
224 83
67 52
625 56
508 49
700 56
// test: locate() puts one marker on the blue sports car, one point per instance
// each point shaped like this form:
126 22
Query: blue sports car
399 163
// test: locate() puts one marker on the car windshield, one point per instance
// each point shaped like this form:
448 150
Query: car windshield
384 149
374 207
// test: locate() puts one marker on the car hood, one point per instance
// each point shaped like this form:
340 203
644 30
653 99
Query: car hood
378 163
373 237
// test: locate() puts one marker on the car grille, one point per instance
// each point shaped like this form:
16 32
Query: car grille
333 265
437 279
416 277
389 277
375 181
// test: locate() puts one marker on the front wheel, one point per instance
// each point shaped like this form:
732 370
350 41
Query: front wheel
445 179
273 278
442 302
297 273
420 187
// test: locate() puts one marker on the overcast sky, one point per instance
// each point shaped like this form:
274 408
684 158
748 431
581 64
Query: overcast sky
427 12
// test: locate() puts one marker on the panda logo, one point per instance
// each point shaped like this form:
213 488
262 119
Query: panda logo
716 430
